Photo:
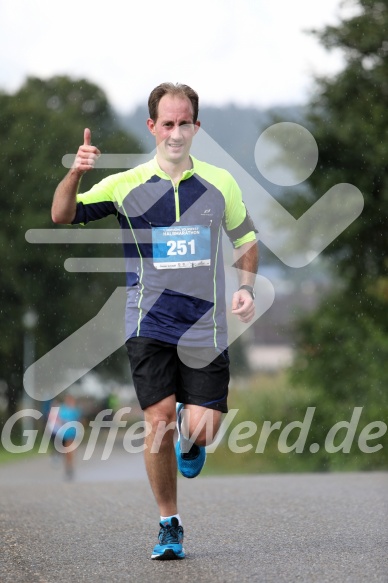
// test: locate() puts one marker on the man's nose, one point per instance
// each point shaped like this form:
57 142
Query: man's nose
176 132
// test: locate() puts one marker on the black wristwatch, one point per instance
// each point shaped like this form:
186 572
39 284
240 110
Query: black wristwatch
249 289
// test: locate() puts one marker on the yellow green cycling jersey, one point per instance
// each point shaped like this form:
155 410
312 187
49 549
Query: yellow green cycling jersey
172 240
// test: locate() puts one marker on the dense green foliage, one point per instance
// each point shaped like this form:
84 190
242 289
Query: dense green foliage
349 120
343 346
39 124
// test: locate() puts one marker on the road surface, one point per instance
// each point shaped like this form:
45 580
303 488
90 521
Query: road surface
264 528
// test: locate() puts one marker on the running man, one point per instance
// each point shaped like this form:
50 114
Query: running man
172 211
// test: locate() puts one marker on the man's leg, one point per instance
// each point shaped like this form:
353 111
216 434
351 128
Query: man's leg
154 372
161 466
159 454
200 425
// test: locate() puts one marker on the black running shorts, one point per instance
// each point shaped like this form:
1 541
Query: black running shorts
158 372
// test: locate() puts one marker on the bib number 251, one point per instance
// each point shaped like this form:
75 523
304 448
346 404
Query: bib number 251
181 247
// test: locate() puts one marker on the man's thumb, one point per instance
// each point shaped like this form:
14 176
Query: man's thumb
87 137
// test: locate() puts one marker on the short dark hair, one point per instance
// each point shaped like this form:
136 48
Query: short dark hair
171 89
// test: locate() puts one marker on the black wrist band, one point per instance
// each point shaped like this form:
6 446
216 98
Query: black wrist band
249 289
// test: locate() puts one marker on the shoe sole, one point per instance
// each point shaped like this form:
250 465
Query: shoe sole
179 407
168 555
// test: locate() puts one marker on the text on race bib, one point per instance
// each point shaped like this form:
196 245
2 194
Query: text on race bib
179 247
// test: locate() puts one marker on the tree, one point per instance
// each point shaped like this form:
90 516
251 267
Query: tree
343 347
40 123
349 119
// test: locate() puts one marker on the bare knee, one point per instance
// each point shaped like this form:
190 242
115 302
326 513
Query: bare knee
160 420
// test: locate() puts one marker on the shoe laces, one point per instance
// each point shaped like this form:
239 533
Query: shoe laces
170 533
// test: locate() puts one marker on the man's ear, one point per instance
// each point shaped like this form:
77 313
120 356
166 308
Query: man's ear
151 125
197 125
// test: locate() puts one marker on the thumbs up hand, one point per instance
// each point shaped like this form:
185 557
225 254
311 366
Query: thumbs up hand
87 154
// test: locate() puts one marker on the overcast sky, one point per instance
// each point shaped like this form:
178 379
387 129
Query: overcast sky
247 52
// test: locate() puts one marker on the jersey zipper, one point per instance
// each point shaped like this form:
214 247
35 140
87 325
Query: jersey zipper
177 206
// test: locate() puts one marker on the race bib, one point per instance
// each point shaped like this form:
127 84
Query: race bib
179 247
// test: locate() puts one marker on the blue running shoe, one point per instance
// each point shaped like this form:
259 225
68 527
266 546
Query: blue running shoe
191 463
170 541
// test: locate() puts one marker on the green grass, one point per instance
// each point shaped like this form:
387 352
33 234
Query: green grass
17 439
272 399
8 457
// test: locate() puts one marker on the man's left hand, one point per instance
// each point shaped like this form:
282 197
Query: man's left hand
243 305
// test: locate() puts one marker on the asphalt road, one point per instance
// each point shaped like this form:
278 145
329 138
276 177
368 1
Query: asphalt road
266 528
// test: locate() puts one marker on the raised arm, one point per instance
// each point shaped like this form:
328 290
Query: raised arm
246 261
64 202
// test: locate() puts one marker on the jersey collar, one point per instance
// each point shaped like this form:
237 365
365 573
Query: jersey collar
186 174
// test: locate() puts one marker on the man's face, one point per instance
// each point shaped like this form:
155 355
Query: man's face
174 128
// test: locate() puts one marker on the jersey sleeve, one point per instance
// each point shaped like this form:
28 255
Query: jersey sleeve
98 202
238 224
